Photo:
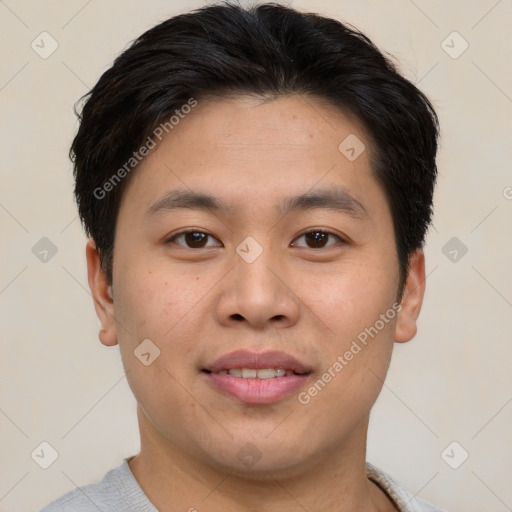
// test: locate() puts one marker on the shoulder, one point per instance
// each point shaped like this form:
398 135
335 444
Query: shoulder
117 491
404 499
71 502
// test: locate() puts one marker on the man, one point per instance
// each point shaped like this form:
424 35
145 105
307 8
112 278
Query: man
257 185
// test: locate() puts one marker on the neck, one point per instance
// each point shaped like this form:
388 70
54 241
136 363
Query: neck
173 480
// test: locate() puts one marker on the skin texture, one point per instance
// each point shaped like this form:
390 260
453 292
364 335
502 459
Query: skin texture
197 304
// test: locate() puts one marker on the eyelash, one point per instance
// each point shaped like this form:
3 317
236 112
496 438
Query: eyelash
323 231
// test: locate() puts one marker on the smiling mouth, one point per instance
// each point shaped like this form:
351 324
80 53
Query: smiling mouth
255 377
260 373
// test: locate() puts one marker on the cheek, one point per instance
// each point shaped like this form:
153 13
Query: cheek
357 355
154 303
353 299
166 305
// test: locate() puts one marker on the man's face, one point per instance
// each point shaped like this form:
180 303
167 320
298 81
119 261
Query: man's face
260 278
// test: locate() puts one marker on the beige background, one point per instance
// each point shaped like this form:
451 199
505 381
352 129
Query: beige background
452 383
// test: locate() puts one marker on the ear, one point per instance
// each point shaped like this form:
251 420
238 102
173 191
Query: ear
412 298
101 294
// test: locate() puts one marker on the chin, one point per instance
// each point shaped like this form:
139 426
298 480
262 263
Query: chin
263 461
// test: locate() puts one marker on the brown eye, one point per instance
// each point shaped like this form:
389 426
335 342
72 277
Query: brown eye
318 239
195 240
192 239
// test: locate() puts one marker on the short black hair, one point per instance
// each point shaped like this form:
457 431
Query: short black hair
266 50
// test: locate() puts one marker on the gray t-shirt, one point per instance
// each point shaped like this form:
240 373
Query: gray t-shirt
118 491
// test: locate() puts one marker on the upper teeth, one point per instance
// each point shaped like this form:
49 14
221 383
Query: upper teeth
252 373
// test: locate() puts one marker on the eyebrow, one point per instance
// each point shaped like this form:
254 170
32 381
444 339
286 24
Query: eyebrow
336 199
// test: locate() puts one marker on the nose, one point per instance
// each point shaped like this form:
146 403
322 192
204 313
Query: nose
258 294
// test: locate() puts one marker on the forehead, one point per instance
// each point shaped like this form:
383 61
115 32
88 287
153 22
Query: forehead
269 128
252 149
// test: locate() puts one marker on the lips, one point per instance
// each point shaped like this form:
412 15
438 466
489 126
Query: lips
255 390
257 361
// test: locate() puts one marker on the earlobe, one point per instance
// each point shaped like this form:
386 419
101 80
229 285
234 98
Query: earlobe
101 292
412 299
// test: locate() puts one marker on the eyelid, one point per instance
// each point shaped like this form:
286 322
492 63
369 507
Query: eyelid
192 230
341 238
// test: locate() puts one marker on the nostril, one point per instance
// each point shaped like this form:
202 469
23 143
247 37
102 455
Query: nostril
237 316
